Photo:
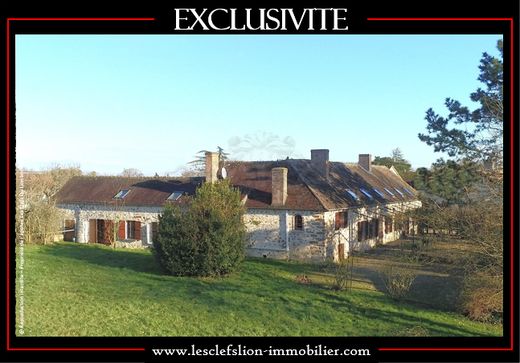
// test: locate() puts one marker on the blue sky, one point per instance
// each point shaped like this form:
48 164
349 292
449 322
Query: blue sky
150 102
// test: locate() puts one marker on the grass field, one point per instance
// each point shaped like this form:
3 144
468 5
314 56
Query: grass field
92 290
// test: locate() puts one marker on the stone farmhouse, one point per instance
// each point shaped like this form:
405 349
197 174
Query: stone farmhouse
296 208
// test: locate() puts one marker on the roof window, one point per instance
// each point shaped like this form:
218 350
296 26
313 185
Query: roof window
352 194
389 192
122 194
378 192
400 192
366 193
408 191
175 196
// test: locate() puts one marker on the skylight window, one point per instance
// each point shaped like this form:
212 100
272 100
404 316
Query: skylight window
400 192
366 193
389 192
379 193
352 194
121 194
408 191
175 195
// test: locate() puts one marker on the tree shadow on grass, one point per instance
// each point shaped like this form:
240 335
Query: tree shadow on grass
402 319
139 261
143 261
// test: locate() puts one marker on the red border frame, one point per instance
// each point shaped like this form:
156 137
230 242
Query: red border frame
8 119
511 180
8 43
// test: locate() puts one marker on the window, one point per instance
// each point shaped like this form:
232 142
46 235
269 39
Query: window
130 229
379 193
121 194
133 230
373 229
366 193
400 193
175 196
341 220
298 222
389 192
408 191
389 225
362 230
352 194
368 229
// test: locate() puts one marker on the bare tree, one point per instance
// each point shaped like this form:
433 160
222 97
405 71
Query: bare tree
131 172
42 220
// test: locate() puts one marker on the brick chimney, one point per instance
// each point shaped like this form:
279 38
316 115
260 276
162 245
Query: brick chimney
320 161
365 161
279 186
211 167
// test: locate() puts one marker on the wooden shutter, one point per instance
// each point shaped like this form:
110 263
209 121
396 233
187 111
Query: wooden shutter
337 221
137 230
92 231
372 228
121 230
359 231
108 232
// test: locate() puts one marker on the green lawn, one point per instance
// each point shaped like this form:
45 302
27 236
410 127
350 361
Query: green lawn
85 290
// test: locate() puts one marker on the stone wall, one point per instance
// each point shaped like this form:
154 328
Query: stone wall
82 213
272 233
349 235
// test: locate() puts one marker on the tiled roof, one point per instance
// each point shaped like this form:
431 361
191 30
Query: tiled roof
306 188
143 191
254 180
332 192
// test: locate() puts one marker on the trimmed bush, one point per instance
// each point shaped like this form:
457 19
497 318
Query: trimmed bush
206 237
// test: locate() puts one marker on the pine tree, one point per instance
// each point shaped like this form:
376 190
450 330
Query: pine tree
473 135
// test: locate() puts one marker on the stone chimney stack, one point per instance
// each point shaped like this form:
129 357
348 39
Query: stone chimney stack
320 161
365 161
279 187
211 167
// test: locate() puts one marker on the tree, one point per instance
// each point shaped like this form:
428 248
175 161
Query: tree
188 171
37 204
449 180
397 160
473 185
397 155
198 164
207 237
474 135
131 172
